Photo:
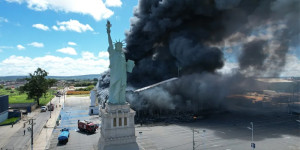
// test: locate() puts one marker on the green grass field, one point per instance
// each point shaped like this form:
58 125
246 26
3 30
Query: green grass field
9 121
16 97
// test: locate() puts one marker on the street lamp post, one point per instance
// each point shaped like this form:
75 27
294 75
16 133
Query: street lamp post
252 143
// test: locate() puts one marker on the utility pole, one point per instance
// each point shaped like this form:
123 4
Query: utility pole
48 108
193 141
31 129
252 130
194 144
203 137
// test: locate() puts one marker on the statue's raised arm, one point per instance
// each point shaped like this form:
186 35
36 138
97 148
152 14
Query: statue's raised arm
108 25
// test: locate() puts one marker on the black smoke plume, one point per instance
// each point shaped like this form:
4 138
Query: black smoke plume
168 38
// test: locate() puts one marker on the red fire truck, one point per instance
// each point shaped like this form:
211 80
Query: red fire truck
87 126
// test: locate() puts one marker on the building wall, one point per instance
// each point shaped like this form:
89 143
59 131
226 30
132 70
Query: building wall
3 116
3 107
3 103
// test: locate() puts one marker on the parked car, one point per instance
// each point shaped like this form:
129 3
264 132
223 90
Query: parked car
43 109
63 138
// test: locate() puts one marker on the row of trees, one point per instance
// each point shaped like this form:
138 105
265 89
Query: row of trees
37 85
85 83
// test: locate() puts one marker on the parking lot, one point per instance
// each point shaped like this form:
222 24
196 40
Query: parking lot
224 132
217 132
75 108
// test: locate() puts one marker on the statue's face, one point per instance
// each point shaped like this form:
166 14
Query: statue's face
118 46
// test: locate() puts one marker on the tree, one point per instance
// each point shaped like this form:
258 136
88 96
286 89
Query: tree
37 85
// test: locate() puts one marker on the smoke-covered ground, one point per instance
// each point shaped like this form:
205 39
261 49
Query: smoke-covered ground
195 39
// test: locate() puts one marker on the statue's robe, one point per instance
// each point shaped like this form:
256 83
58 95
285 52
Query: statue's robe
118 76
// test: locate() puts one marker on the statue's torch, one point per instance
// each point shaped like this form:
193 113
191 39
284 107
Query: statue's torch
108 25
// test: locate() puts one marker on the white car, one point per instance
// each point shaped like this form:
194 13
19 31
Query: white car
43 108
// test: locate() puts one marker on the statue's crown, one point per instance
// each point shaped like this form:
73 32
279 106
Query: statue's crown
119 43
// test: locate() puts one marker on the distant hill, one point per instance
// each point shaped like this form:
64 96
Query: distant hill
81 77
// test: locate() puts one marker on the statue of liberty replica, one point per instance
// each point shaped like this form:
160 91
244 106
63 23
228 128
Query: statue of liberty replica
118 71
117 124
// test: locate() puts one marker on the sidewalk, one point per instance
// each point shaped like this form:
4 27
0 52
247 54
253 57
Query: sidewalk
41 140
7 131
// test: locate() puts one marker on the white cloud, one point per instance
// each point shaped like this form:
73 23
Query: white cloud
20 47
67 50
292 67
113 3
41 26
88 55
55 66
95 8
16 1
103 54
72 25
2 19
36 44
5 47
54 28
229 68
72 43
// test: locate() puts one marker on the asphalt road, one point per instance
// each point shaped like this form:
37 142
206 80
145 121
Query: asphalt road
75 108
21 141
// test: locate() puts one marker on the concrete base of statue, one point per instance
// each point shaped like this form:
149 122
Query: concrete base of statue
117 127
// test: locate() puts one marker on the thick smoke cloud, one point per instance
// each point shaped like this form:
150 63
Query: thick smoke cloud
185 33
253 55
188 37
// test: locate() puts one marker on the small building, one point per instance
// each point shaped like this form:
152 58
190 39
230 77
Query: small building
3 107
94 107
27 107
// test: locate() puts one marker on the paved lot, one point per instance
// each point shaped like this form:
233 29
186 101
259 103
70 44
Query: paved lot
75 108
217 132
224 132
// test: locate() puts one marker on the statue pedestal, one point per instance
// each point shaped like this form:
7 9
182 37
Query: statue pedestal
117 126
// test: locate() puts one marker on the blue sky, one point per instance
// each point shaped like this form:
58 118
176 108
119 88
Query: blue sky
68 37
63 37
